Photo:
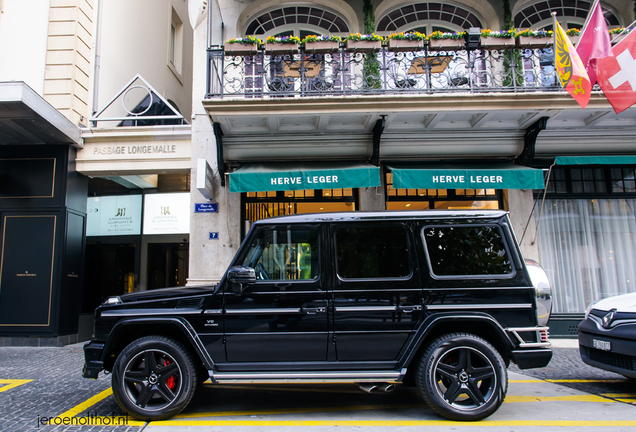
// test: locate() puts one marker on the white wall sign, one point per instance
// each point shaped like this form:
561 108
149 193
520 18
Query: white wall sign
205 179
113 215
167 213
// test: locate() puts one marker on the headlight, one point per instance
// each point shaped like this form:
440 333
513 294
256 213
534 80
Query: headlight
542 290
113 300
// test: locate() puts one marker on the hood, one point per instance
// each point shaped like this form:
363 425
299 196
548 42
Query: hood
167 293
622 303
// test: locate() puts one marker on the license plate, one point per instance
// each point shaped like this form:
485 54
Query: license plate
601 344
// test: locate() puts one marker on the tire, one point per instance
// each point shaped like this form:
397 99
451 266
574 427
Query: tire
154 378
462 377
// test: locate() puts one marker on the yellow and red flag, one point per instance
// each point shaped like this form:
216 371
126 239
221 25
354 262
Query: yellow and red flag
570 68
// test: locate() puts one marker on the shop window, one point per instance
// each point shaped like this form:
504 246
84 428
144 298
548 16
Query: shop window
452 199
372 252
467 251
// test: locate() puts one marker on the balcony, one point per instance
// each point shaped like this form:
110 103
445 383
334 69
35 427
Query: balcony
433 104
346 72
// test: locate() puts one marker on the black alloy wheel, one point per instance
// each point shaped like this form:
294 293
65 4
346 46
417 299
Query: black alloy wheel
462 377
154 378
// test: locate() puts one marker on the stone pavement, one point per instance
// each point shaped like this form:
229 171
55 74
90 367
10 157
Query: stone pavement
56 384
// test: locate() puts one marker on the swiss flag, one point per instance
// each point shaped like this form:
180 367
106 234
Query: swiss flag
617 75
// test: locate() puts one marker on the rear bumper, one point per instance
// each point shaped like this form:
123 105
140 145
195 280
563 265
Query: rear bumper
530 359
92 359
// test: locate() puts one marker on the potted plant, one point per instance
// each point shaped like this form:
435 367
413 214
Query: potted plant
321 44
619 34
497 39
411 41
277 45
364 43
574 35
534 38
439 41
247 45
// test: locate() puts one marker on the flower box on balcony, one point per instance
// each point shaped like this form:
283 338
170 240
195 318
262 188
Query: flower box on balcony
534 42
446 44
364 46
496 43
274 48
405 45
240 49
321 47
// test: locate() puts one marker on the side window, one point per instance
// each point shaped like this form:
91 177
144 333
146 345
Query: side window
284 254
470 250
378 251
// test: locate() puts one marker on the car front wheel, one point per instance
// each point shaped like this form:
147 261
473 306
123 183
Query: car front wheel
462 377
154 378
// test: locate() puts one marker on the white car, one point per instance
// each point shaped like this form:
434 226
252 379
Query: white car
607 336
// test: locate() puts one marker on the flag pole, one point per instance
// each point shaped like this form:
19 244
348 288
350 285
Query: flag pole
554 33
587 21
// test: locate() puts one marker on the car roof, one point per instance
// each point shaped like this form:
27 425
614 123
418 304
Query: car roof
353 216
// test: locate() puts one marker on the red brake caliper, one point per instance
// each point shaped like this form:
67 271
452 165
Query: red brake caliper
170 382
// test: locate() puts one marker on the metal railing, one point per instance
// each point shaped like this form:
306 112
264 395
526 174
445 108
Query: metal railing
346 72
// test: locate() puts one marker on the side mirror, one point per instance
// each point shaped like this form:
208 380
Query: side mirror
239 277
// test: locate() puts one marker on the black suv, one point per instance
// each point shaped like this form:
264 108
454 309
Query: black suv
442 300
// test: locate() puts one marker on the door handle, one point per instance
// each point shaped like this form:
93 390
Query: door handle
410 309
312 311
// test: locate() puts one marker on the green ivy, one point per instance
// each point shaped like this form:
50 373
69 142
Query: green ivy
371 67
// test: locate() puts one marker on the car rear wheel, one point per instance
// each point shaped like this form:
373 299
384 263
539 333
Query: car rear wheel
462 377
154 378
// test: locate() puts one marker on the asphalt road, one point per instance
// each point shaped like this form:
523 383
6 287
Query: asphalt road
41 386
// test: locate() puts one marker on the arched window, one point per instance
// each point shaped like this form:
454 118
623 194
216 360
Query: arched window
298 21
427 18
570 13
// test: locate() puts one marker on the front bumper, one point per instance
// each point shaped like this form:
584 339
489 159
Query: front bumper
92 359
620 357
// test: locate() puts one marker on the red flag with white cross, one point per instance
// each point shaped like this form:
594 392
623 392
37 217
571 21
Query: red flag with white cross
617 75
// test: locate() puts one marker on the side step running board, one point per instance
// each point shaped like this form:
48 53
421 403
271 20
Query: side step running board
308 376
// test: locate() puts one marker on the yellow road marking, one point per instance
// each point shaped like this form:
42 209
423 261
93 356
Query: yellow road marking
12 383
619 395
87 403
296 411
582 381
483 423
572 398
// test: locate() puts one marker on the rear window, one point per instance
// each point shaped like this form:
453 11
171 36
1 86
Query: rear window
378 251
468 250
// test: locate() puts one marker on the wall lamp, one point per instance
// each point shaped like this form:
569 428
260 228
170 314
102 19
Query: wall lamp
473 37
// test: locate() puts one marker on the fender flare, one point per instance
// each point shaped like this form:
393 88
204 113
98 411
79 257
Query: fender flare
434 320
181 324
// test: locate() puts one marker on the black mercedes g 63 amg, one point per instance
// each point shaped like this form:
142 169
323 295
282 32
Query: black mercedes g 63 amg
442 300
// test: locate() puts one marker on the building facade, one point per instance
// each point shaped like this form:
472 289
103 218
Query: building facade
468 125
95 98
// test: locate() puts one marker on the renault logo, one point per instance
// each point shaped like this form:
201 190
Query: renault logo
608 318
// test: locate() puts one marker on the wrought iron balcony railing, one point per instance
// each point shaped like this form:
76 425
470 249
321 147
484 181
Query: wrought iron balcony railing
346 72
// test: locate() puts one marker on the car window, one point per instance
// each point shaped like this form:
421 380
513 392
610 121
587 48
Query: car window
284 254
375 251
468 250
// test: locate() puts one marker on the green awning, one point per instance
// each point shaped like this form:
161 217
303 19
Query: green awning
595 160
469 176
299 176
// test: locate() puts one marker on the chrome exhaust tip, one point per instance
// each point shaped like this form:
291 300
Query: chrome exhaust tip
368 387
373 387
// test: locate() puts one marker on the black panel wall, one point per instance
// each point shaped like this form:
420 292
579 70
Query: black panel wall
42 223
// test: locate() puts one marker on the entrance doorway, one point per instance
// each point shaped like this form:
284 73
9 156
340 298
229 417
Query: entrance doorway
110 271
167 265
